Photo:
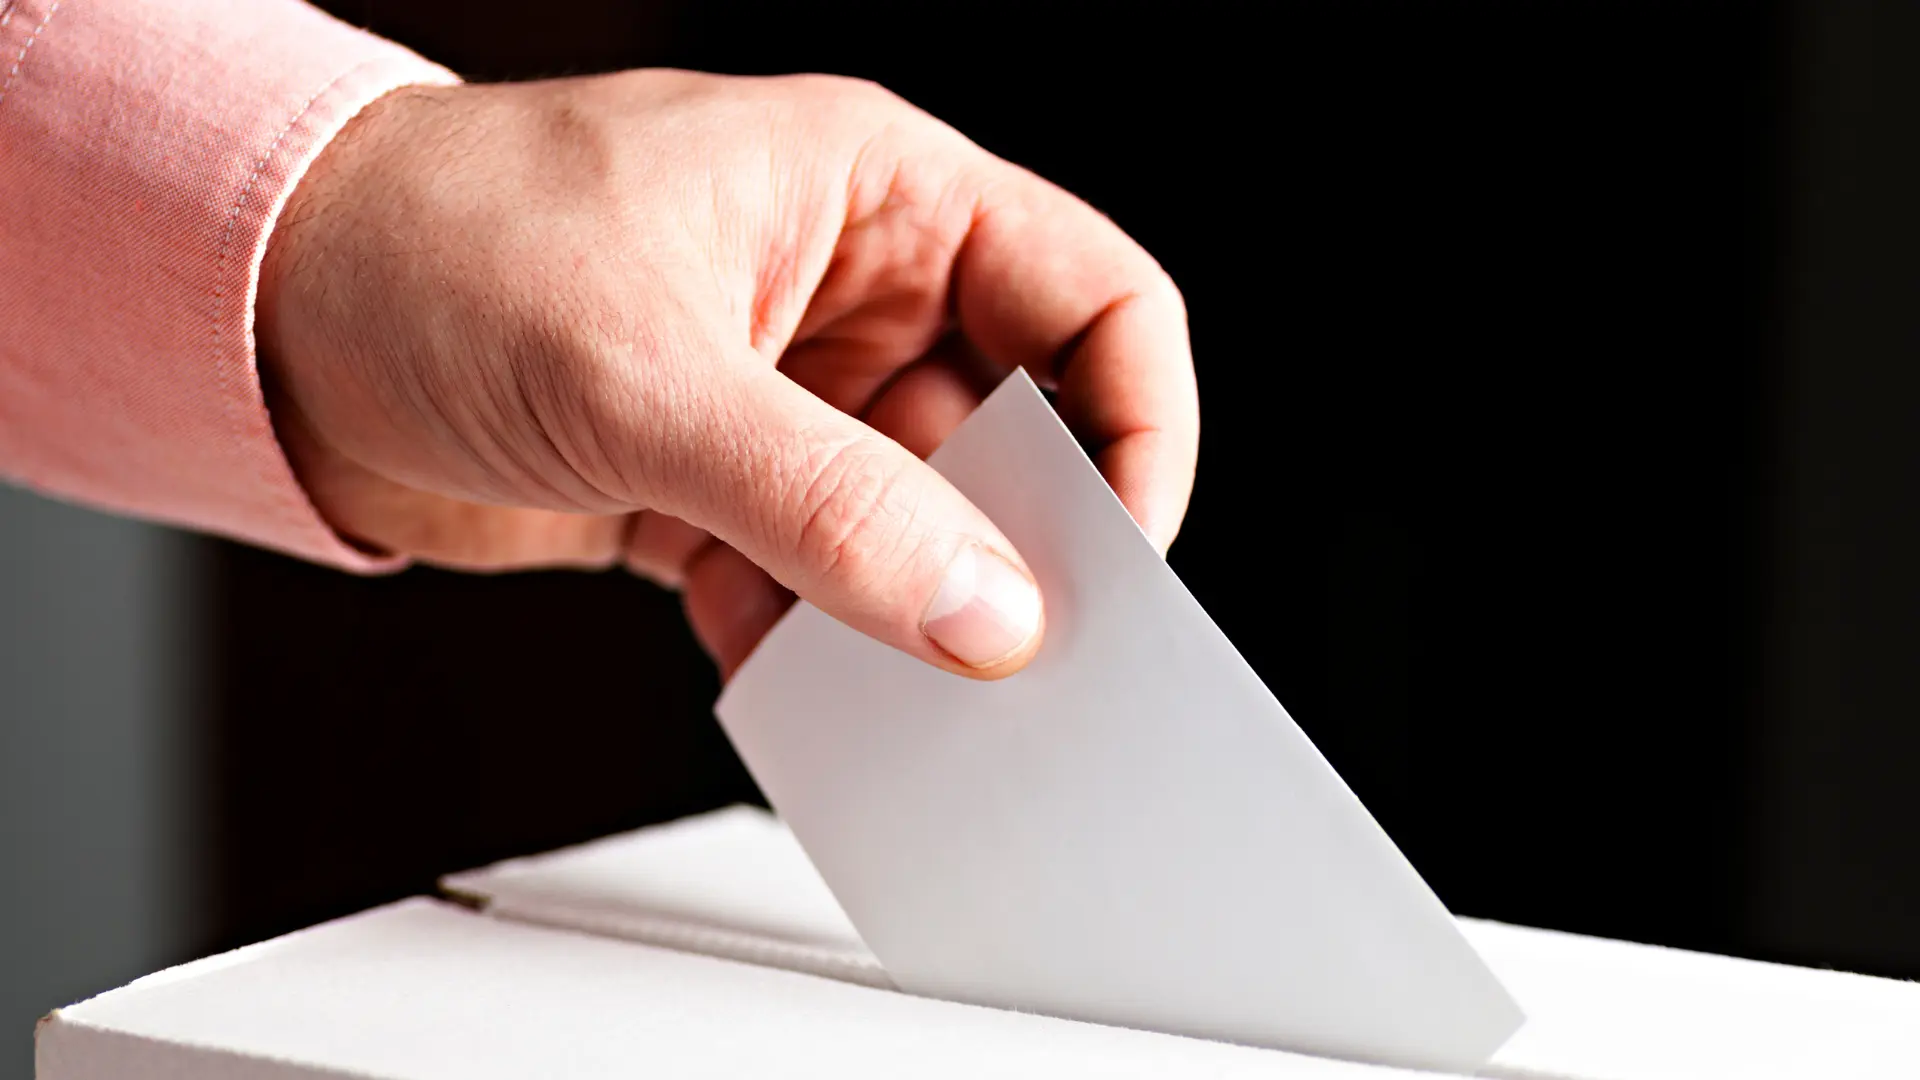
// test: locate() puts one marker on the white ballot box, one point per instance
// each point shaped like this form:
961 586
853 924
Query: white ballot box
710 947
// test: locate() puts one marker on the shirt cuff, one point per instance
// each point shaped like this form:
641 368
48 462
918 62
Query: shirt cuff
147 148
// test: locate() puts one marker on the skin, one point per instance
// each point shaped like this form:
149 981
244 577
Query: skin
703 327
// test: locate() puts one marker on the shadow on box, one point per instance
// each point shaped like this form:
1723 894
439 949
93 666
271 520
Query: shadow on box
1481 488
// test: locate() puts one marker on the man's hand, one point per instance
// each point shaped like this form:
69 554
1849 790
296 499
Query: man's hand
707 327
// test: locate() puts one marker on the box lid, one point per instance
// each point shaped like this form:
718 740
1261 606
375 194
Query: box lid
428 990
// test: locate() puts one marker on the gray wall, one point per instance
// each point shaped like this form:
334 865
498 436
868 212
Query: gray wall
96 865
1838 806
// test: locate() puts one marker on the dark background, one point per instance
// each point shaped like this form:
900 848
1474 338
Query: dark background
1557 367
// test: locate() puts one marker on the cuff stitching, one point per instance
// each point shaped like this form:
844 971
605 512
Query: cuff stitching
220 292
14 71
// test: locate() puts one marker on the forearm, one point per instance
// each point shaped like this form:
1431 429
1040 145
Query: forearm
146 149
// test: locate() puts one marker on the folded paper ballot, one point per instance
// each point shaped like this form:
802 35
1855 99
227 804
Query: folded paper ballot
1130 831
660 953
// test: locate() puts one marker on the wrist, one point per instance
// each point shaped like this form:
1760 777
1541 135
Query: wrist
294 264
290 325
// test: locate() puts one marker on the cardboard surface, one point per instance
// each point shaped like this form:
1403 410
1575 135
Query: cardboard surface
428 991
1131 831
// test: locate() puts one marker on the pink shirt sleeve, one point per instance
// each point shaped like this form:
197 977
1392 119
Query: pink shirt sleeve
146 148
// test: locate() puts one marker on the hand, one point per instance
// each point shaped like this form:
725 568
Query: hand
707 327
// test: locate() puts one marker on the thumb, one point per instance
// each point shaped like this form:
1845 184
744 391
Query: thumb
858 526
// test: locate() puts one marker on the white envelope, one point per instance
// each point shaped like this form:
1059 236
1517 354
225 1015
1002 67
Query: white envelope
1131 831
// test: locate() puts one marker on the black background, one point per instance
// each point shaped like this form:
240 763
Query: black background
1557 397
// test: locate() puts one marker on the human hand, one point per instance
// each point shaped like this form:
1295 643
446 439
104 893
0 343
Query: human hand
702 326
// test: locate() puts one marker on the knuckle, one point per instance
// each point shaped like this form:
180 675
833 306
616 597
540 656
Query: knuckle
1162 286
850 102
854 87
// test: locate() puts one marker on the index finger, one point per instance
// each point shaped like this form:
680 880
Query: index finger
1044 281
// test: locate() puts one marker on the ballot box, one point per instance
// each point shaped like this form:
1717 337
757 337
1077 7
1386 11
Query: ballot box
710 947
